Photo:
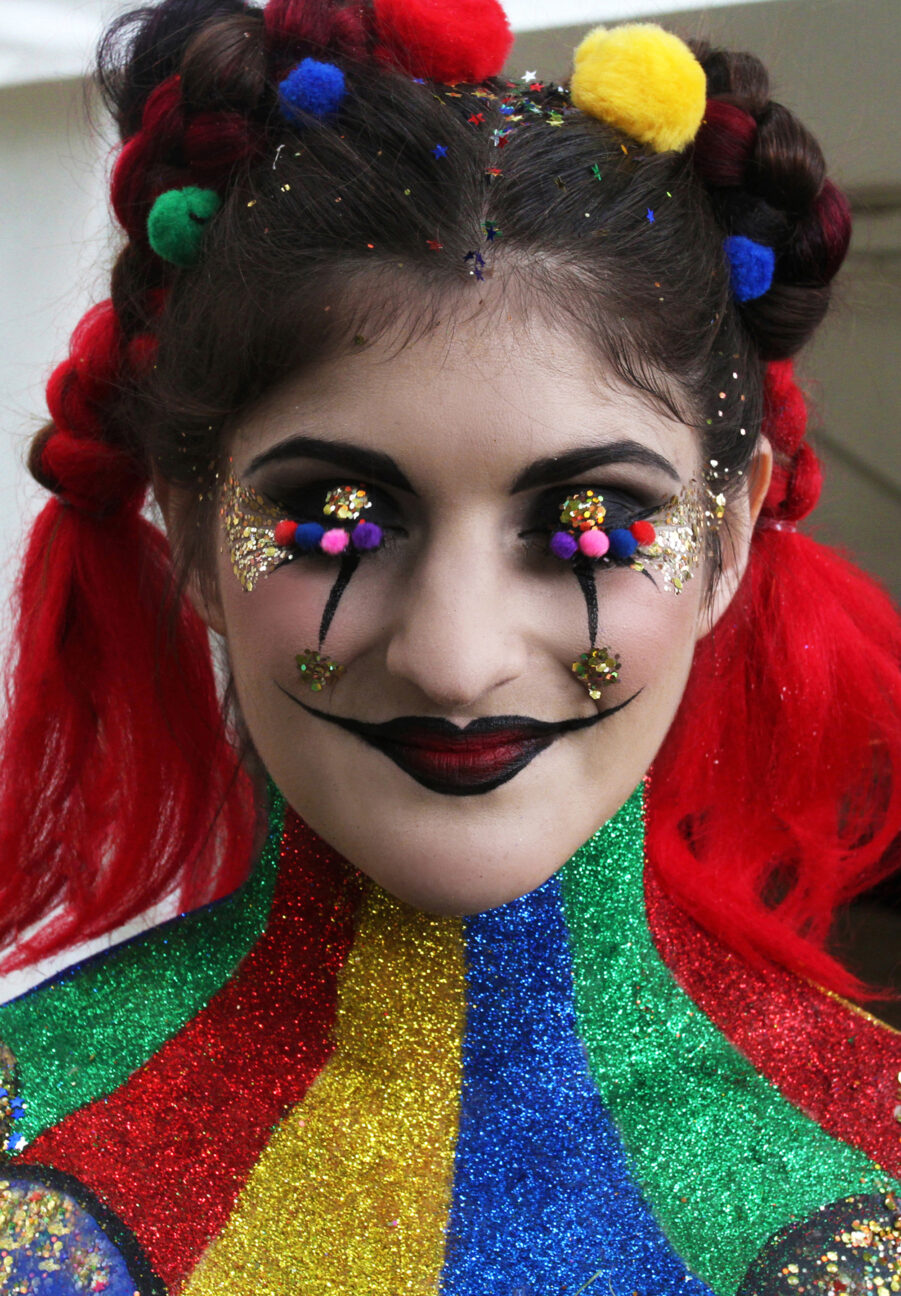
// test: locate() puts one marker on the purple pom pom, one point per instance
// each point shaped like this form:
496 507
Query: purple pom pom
751 265
366 535
622 543
563 545
308 535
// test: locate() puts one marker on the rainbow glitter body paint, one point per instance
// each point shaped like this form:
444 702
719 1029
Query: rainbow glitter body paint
339 1095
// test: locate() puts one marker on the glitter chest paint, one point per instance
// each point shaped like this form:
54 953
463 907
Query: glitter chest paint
312 1088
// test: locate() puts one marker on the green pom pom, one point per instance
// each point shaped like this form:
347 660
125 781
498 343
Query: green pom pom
177 221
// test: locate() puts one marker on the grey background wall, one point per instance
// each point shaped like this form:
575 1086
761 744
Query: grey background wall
835 61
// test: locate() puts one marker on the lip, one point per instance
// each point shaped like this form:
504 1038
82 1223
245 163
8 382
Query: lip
467 761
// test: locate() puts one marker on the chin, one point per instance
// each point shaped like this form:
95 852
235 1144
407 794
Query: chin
454 856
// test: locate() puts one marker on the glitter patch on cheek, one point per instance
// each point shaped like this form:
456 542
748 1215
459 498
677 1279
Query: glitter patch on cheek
681 534
249 522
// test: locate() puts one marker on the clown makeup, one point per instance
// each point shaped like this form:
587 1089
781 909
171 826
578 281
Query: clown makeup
671 542
261 539
458 758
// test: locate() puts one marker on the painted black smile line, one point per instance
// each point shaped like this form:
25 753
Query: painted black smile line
461 761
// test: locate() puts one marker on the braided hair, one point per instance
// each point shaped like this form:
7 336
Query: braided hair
775 797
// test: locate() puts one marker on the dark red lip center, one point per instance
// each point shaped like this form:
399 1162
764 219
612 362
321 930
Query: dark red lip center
474 759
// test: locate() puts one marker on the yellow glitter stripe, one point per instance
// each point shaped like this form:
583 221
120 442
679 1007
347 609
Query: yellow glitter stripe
352 1194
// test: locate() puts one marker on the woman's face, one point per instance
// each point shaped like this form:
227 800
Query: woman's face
467 442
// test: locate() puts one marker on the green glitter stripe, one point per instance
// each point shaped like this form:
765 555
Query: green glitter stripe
724 1158
80 1035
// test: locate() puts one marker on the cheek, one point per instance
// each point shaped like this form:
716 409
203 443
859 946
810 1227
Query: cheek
268 626
654 632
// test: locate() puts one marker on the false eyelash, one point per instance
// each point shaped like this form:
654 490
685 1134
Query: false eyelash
343 505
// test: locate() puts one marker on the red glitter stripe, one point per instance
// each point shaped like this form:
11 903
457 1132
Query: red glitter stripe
838 1066
170 1150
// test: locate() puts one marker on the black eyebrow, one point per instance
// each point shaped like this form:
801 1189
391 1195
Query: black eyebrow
358 460
559 468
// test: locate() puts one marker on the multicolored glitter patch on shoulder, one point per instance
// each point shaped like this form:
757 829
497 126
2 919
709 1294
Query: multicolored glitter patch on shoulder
57 1239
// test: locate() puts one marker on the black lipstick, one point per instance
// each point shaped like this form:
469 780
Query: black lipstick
461 761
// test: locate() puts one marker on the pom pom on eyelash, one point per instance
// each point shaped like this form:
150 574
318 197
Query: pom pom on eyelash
643 532
563 545
594 544
366 536
334 541
285 533
622 543
308 536
313 87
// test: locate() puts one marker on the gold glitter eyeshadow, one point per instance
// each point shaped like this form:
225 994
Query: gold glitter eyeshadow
583 511
596 669
346 503
317 669
681 531
249 522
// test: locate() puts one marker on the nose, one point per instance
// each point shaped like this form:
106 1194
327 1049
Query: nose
457 636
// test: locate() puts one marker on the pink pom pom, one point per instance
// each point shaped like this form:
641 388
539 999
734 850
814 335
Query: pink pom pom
594 544
334 541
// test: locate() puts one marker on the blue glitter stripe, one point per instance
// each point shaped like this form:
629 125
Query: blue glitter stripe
543 1201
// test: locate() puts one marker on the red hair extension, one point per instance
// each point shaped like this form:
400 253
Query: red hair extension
115 762
321 24
770 806
162 128
724 144
215 142
821 239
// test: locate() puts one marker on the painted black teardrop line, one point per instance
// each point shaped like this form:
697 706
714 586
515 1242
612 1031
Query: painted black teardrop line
585 574
349 563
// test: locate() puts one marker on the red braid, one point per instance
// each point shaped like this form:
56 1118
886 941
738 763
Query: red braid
777 796
791 714
114 750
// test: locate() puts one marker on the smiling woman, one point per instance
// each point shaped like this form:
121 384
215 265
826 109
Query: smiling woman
550 751
463 616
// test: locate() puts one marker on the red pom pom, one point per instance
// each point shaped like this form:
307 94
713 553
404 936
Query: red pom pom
643 532
284 533
464 41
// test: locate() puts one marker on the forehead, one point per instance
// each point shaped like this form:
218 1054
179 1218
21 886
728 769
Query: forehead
474 400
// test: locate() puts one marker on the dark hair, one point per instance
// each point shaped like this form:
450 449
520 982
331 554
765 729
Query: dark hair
332 231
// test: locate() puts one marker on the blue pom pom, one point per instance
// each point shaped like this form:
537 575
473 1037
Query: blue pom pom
313 87
622 543
752 266
308 535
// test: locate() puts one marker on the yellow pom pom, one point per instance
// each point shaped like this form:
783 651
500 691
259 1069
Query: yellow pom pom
643 80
